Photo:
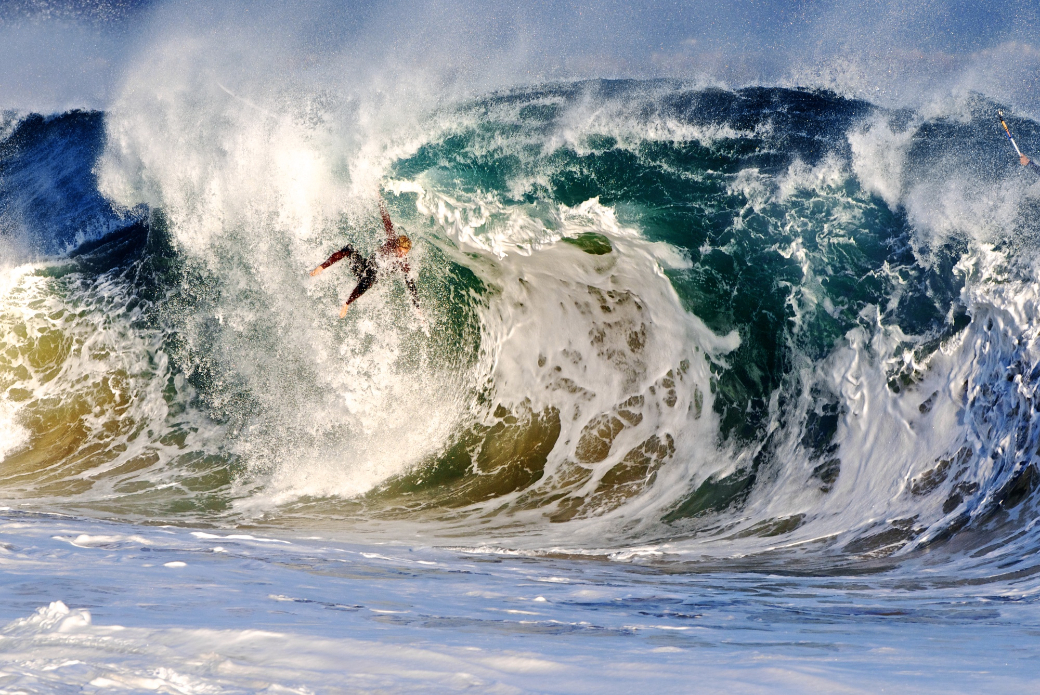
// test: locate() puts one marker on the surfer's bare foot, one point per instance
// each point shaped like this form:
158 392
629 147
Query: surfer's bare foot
316 271
343 311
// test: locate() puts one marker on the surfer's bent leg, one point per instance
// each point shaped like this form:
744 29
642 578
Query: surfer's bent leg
366 272
344 252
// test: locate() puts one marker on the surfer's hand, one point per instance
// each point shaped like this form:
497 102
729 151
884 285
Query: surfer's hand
316 272
343 311
1023 159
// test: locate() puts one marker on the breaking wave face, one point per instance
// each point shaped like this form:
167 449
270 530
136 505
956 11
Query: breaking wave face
716 322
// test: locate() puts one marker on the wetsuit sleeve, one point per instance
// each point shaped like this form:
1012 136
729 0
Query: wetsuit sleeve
412 290
1034 166
403 266
338 256
387 224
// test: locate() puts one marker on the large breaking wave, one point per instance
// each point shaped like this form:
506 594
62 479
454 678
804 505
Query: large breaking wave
663 316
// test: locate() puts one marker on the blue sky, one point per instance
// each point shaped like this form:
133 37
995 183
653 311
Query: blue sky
56 54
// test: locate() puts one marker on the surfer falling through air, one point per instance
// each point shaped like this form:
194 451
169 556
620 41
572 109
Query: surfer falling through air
390 256
1023 160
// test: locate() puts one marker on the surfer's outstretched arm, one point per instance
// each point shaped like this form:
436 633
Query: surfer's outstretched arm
334 258
391 235
413 291
387 224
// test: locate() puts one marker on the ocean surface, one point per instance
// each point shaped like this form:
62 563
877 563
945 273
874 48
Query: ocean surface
713 389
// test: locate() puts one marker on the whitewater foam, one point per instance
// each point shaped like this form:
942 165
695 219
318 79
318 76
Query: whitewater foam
407 617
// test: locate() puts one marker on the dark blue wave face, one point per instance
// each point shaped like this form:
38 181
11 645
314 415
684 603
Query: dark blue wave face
48 189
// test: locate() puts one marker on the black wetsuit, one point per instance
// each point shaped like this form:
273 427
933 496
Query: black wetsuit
1034 166
367 270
